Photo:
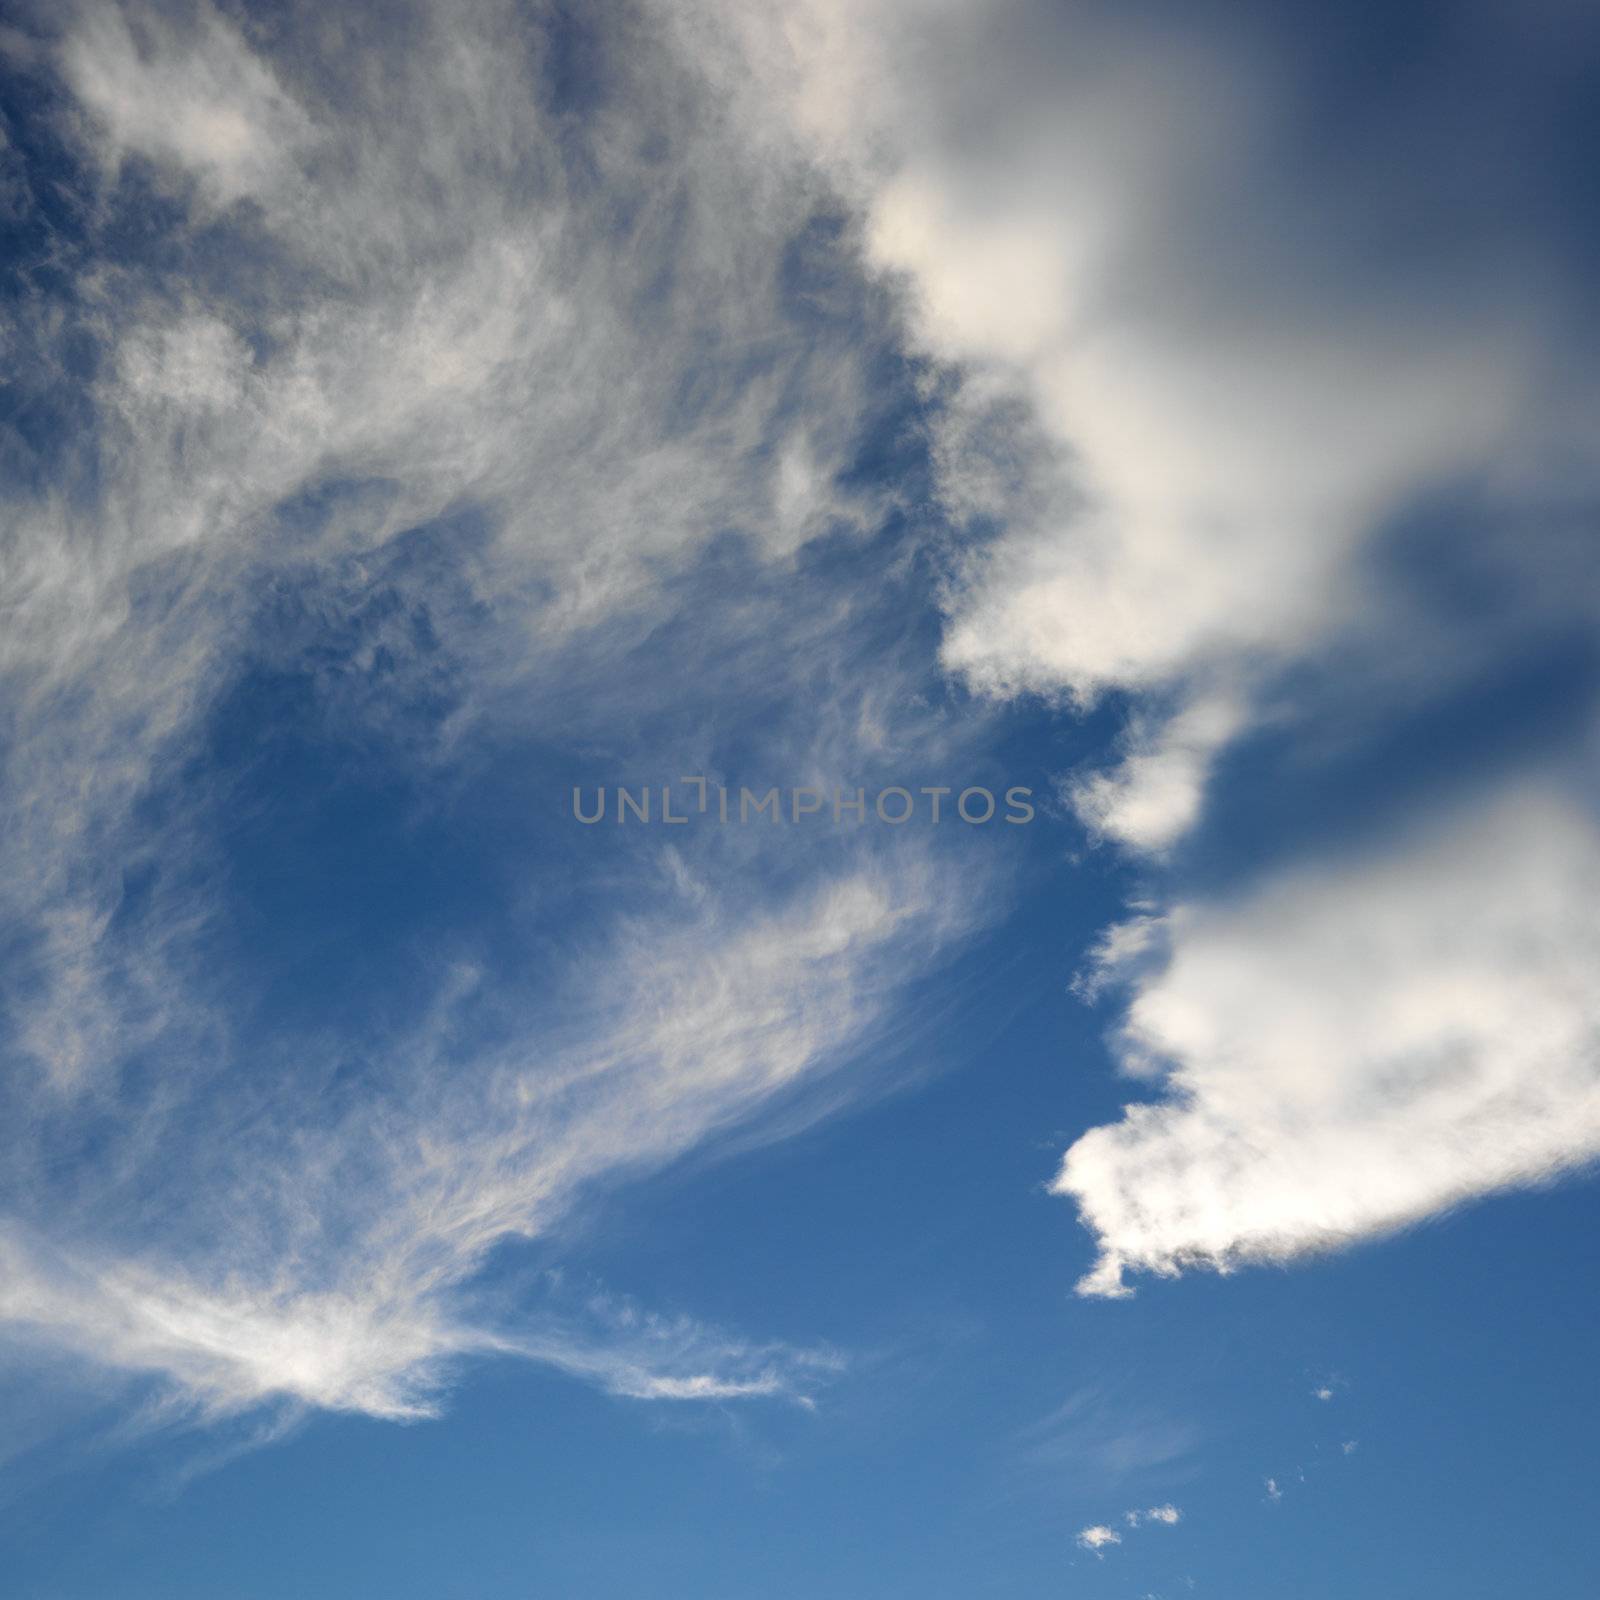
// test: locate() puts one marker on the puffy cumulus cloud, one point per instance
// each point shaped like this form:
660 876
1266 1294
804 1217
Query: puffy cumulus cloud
1348 1047
1098 1537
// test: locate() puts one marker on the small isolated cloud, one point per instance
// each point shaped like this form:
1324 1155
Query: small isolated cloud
1350 1446
1324 1393
1134 1519
1096 1538
1168 1514
1274 1493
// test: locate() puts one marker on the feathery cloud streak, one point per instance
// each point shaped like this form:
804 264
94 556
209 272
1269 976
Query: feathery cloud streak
477 385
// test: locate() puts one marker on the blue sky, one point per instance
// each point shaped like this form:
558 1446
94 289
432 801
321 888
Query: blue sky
419 421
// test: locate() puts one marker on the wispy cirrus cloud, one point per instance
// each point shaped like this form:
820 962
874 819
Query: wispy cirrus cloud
327 1262
428 423
1097 1437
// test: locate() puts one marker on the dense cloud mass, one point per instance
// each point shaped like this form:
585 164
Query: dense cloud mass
1355 1045
1233 375
1253 410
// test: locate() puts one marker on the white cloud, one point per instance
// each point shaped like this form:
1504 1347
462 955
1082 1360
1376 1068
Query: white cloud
1096 1538
1191 395
1202 384
347 1286
1188 435
219 1349
1167 1515
417 316
1153 796
1350 1047
195 100
1118 951
396 322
